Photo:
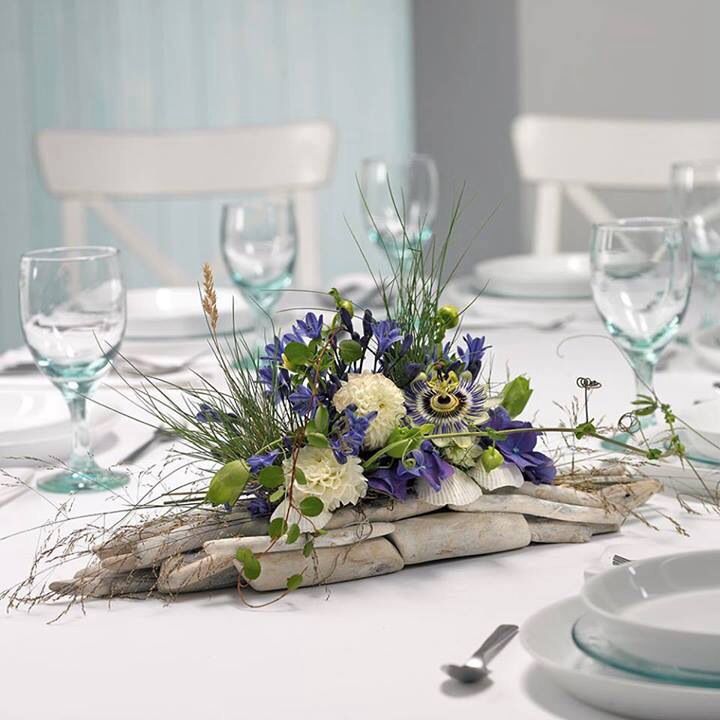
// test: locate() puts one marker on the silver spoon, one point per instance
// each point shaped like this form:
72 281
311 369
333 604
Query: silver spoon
476 667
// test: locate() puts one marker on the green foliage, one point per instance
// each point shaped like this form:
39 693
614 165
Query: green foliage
300 478
321 421
491 459
515 395
311 506
271 477
250 564
278 495
584 429
317 440
350 351
278 527
294 582
308 548
293 533
228 483
405 439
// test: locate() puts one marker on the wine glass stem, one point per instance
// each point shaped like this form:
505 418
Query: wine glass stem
81 455
643 364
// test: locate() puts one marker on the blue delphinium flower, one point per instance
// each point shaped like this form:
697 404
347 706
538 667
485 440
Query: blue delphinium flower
386 333
310 327
259 507
303 400
519 448
472 354
207 413
259 462
424 463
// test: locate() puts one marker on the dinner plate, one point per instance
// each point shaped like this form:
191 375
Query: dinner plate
565 275
547 638
35 425
663 610
706 343
176 312
703 440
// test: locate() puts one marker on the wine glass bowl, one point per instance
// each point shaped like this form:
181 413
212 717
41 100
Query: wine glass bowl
259 247
400 203
72 308
695 189
641 273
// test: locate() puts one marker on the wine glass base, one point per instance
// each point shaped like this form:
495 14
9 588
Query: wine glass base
73 481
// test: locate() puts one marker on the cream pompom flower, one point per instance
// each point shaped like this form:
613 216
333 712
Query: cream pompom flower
373 393
334 483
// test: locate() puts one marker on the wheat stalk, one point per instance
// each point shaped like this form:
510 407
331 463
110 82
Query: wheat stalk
209 298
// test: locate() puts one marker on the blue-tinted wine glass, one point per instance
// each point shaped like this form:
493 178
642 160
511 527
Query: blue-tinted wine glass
259 245
696 198
72 308
641 277
399 203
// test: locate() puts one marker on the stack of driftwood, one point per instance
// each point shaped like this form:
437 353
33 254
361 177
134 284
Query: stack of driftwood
196 550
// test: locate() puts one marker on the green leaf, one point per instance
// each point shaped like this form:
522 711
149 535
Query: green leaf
584 429
491 459
251 565
311 506
294 582
271 477
322 420
317 440
278 527
297 354
300 478
515 395
403 440
228 483
293 533
308 548
277 495
350 351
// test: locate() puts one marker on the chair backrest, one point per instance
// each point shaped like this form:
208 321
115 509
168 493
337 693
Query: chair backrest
87 170
567 156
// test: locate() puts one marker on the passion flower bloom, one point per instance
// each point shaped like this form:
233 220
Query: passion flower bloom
449 402
373 393
333 482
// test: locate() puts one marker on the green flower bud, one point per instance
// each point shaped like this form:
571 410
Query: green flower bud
448 316
346 305
491 459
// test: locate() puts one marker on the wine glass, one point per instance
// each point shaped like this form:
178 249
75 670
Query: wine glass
259 245
72 309
641 273
400 203
696 198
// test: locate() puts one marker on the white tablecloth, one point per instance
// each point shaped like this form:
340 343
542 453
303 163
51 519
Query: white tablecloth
371 648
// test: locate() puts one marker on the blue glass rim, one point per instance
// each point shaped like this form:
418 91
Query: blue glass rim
74 253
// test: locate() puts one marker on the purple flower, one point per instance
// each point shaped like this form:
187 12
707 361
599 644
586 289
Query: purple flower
259 462
311 327
519 448
207 413
386 333
274 351
303 400
424 463
350 441
472 355
259 507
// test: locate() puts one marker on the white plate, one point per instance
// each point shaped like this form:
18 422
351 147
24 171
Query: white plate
546 636
706 343
35 425
664 609
704 418
176 312
566 275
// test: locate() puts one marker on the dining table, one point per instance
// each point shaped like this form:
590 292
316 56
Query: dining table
366 648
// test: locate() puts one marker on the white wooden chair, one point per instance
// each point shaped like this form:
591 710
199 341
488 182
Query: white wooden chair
88 170
565 156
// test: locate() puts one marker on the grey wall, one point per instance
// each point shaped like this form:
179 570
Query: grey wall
652 59
466 94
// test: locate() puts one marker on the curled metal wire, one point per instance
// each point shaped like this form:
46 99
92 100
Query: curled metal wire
629 423
588 383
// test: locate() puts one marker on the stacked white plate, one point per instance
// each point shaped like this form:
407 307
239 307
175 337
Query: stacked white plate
643 640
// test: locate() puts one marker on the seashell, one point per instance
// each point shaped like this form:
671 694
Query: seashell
507 475
458 489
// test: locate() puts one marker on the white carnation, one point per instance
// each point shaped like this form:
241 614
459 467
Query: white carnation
373 392
334 483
